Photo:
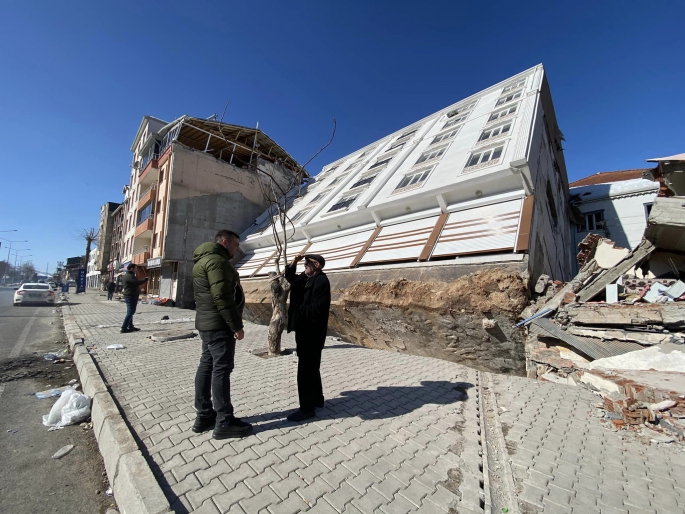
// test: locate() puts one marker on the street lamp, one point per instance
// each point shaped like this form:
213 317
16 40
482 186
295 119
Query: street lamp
8 254
16 254
21 259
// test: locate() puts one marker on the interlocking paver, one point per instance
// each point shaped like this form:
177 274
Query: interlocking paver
389 433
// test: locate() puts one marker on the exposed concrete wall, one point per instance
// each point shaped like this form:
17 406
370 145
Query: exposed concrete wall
435 311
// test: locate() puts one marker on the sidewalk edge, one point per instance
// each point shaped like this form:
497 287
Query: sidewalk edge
135 487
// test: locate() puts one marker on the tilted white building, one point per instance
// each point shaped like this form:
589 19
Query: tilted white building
482 180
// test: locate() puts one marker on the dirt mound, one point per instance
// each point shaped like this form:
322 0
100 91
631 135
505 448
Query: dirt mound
484 291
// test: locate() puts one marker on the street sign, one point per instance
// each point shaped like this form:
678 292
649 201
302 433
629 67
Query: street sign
81 283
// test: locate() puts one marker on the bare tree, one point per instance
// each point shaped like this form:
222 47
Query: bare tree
88 235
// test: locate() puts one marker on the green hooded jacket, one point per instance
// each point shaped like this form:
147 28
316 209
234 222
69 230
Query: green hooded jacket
130 285
219 299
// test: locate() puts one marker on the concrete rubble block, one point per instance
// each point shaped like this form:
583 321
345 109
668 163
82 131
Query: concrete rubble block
74 341
172 335
608 254
114 442
103 407
136 489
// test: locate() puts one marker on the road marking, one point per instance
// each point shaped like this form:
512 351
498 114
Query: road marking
16 351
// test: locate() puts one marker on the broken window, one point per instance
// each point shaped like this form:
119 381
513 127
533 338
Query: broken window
484 156
509 98
592 221
462 109
445 136
494 132
513 86
503 113
413 180
344 203
454 121
433 154
364 181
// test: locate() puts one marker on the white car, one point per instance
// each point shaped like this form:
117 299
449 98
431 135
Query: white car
34 293
53 285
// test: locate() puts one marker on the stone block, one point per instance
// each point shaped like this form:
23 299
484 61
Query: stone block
136 489
114 442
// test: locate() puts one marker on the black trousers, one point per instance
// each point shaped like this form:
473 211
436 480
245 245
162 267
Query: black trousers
309 387
213 377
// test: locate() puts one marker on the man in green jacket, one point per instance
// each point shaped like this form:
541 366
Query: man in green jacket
131 291
219 302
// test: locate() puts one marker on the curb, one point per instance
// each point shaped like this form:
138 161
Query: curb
135 488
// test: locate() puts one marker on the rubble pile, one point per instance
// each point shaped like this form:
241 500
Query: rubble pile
619 326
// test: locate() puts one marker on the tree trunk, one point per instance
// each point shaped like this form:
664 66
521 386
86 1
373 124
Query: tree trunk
279 317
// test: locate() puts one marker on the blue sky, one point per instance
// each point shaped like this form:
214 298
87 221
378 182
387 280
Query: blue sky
76 78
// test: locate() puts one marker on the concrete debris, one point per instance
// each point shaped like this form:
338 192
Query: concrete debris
608 255
665 357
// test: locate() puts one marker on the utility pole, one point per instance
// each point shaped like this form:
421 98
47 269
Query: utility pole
8 253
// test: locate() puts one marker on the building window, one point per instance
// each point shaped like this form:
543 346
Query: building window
592 221
396 146
454 121
154 240
364 181
161 175
445 136
159 206
431 155
320 196
485 156
378 164
492 133
552 204
406 135
513 86
145 213
299 215
344 202
503 113
509 98
412 180
462 109
648 209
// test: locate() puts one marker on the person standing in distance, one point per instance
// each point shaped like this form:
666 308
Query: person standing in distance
219 303
310 303
111 287
131 291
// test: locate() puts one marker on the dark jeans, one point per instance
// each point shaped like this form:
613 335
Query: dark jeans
110 294
131 304
309 387
213 378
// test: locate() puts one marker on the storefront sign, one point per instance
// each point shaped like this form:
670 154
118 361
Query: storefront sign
155 262
81 282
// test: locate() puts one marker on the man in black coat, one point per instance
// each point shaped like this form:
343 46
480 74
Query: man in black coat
310 302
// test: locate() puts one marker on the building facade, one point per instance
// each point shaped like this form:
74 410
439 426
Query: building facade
483 180
93 273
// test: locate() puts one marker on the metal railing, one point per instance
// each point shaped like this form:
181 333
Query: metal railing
151 187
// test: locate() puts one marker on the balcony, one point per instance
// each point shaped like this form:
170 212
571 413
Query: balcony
141 258
147 196
148 171
144 228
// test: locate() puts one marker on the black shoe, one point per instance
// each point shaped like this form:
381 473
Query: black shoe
300 415
125 331
233 428
203 423
134 329
319 404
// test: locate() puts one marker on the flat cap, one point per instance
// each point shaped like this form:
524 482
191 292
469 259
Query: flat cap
315 257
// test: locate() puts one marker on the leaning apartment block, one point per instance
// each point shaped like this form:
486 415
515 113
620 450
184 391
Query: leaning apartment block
406 222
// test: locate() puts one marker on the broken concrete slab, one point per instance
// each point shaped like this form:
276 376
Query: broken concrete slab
668 315
664 357
640 337
608 255
666 223
172 335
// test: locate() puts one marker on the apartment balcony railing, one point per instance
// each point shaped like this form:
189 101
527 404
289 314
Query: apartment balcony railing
144 226
147 196
148 169
141 257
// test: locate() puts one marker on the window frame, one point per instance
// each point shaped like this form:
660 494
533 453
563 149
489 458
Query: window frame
468 167
440 151
446 135
364 178
513 86
494 137
351 198
503 100
454 121
584 226
501 116
461 109
422 172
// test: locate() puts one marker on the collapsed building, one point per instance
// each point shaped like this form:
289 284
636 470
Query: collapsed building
619 325
433 233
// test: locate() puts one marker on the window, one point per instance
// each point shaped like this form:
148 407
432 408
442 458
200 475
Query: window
494 132
378 164
353 165
446 136
501 114
454 121
592 221
344 202
159 206
513 86
485 156
396 145
509 98
460 110
161 175
145 213
363 181
552 204
406 135
320 195
413 180
648 209
433 154
299 215
154 240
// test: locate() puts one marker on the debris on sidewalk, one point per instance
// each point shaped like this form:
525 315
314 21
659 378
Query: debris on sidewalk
49 393
64 450
116 347
71 408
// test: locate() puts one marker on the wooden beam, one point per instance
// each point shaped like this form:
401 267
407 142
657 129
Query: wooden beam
524 224
366 246
433 238
263 264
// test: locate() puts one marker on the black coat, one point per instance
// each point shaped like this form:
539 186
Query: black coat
310 302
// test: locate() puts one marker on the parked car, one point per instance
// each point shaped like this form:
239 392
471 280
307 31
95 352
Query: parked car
34 293
53 285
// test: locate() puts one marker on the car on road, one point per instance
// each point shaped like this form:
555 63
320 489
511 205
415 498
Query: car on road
34 293
53 285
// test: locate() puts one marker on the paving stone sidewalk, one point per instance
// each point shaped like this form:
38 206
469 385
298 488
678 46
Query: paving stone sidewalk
399 433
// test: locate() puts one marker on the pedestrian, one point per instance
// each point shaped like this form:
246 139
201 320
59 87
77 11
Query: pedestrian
310 302
219 303
131 291
111 286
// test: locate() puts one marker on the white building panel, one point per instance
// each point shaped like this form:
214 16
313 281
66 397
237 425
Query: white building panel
253 260
482 229
402 241
293 249
339 252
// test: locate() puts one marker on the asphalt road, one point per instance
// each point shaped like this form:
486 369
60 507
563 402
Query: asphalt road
30 480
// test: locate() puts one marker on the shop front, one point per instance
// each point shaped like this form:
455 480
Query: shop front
154 268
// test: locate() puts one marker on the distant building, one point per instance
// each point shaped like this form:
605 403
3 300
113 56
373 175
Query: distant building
93 273
189 178
71 267
104 241
614 204
482 180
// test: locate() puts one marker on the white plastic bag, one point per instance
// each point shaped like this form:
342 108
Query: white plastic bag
71 408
